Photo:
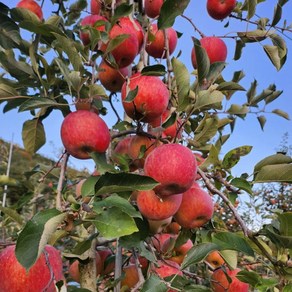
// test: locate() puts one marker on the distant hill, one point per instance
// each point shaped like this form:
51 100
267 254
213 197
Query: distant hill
28 170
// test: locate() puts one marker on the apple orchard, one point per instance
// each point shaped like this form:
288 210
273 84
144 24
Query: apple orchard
152 216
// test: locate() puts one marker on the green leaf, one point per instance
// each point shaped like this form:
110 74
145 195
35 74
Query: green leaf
12 214
281 114
288 288
67 45
277 14
182 78
113 223
123 9
233 156
257 35
249 277
238 49
131 95
154 70
203 62
236 109
228 240
9 33
169 11
121 182
154 284
252 92
35 235
262 120
273 54
33 135
274 173
197 253
7 91
242 184
115 42
281 241
37 102
230 257
278 158
100 160
230 86
207 99
9 181
21 14
88 187
116 201
212 158
285 223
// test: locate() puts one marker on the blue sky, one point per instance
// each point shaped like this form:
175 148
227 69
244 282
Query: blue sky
253 62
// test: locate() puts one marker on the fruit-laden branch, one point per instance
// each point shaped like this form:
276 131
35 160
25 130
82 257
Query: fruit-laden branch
214 190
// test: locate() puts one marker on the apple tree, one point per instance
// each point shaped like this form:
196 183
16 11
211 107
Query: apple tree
155 215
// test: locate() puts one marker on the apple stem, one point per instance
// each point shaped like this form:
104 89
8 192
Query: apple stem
202 35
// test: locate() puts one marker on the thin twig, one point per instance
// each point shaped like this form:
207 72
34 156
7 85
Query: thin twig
194 26
61 181
214 190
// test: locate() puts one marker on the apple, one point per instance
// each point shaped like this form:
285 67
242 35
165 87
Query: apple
220 9
173 228
172 165
220 282
154 207
83 132
180 252
32 6
138 144
171 131
112 79
153 7
121 149
131 276
166 268
107 259
91 21
155 46
196 208
74 272
214 259
42 276
143 263
157 226
215 48
150 101
125 52
163 242
95 6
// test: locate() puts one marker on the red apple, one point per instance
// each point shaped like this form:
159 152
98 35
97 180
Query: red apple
131 276
173 228
214 259
140 143
124 53
220 9
180 252
172 165
156 47
171 131
74 272
32 6
107 260
196 208
154 207
220 282
151 100
91 21
95 6
166 268
42 276
153 7
83 132
112 79
163 242
215 48
121 149
143 262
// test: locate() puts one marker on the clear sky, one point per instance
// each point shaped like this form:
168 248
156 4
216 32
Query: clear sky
253 62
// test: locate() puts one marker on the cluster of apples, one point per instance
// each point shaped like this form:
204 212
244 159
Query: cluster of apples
42 276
